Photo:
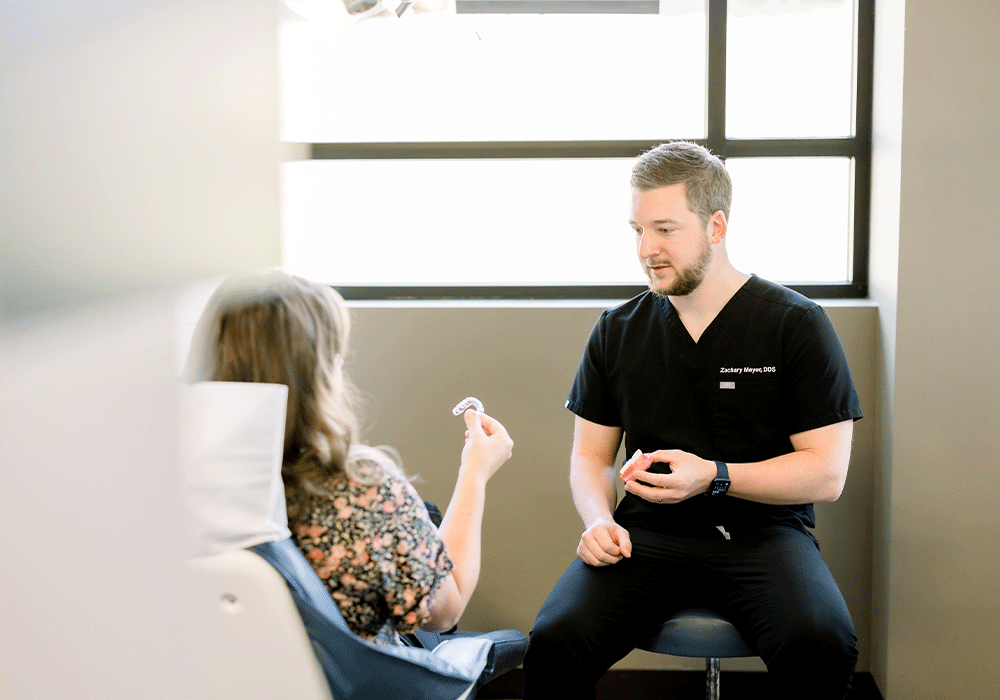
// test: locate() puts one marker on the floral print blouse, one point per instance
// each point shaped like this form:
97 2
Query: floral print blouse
375 548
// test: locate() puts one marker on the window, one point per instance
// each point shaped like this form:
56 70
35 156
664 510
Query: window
486 155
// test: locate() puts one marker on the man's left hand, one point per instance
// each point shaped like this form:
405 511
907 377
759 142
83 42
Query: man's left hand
689 476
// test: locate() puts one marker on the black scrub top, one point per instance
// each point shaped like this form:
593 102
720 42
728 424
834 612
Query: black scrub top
769 366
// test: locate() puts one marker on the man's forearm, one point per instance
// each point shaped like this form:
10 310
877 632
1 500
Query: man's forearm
789 479
593 487
814 472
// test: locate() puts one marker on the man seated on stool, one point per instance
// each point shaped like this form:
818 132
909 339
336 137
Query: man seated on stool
739 391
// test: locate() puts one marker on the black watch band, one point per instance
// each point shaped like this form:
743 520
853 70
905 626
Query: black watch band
720 484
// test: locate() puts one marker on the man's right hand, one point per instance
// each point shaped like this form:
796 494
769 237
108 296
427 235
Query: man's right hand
603 543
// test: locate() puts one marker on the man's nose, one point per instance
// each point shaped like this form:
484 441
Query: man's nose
647 245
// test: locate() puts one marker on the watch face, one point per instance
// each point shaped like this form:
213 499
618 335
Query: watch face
719 486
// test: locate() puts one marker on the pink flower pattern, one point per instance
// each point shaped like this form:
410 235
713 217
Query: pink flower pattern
376 551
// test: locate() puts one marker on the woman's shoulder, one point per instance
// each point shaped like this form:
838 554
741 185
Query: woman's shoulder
355 502
389 488
397 495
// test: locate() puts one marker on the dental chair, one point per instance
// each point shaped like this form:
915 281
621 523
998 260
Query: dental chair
263 623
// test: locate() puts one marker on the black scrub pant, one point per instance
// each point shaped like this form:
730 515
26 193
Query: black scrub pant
771 583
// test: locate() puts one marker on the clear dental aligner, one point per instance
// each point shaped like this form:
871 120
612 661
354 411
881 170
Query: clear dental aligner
466 403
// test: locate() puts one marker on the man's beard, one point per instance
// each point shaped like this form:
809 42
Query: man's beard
688 279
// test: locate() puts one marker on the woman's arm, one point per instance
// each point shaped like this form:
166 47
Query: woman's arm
487 447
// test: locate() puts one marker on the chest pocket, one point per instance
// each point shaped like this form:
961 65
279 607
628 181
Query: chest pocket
747 418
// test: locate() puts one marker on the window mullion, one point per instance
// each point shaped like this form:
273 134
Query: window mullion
716 75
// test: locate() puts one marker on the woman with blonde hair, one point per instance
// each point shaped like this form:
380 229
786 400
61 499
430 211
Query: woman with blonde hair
353 514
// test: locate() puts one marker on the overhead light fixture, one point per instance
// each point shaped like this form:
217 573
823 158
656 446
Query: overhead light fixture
357 10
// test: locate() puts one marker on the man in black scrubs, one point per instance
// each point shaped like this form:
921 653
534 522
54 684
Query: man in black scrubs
740 391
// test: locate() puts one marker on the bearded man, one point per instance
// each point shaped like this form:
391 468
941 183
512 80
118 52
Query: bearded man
738 394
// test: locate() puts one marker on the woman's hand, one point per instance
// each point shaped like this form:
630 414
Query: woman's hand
487 445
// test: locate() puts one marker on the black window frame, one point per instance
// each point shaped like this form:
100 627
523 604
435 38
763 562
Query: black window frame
856 147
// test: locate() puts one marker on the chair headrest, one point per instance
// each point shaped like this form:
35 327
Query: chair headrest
233 439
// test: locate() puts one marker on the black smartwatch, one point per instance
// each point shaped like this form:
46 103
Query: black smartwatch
720 484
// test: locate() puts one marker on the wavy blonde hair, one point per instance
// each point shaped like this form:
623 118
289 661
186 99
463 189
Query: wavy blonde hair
276 328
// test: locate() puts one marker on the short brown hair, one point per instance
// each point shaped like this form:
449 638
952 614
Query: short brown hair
709 188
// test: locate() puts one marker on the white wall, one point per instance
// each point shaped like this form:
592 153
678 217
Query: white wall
886 156
139 152
137 140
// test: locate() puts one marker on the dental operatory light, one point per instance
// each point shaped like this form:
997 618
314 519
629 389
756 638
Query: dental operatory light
357 10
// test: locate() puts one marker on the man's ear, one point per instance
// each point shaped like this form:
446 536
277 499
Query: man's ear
717 227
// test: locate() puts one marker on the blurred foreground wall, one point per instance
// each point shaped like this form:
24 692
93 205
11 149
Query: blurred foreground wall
138 152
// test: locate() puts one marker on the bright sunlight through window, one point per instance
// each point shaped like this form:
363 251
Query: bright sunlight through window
480 93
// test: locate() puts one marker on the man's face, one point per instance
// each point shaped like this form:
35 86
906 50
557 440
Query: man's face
673 247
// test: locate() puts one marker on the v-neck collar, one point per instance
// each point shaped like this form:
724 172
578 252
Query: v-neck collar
680 330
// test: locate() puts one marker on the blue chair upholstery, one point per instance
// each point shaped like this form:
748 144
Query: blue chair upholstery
456 665
506 654
700 633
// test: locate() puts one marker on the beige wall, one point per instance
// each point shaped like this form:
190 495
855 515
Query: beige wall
938 611
416 362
